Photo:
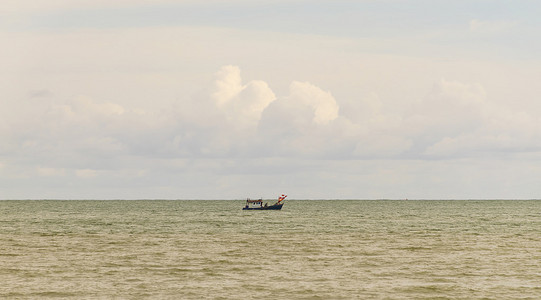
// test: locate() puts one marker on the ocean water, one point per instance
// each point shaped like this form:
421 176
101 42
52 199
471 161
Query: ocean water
309 250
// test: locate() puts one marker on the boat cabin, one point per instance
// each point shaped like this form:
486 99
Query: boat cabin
252 203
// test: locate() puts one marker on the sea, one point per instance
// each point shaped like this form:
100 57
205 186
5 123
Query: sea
325 249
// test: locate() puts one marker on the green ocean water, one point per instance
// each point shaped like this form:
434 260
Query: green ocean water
309 250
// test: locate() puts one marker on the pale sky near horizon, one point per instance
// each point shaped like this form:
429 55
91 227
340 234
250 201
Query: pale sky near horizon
222 99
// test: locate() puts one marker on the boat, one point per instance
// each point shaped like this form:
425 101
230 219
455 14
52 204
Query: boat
258 204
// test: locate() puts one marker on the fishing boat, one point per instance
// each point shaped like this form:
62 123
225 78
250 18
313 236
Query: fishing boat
258 204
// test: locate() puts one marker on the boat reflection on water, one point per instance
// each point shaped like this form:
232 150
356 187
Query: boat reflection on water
258 204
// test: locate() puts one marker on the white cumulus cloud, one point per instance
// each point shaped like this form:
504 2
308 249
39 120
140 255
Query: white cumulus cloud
242 103
322 103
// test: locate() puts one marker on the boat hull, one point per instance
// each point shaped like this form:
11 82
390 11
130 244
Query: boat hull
271 207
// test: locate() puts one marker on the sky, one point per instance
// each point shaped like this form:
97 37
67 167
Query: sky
366 99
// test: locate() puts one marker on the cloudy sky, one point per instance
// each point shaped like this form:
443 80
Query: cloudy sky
230 99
